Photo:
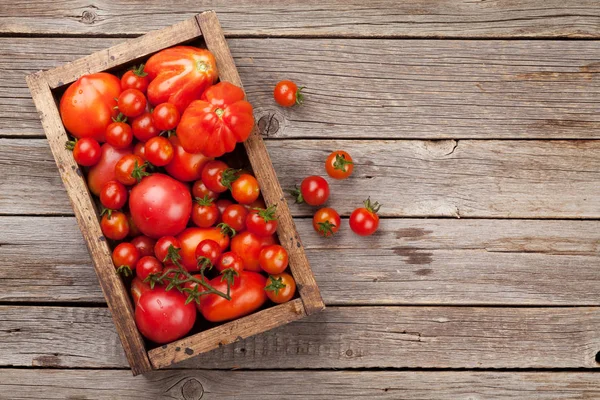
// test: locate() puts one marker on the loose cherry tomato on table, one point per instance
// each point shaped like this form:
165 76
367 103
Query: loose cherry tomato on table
207 253
119 134
130 169
148 265
280 288
273 259
158 151
165 116
364 221
135 78
132 103
113 195
185 166
86 151
114 225
245 189
138 287
144 244
104 170
191 237
161 248
262 222
125 257
248 246
339 165
200 190
217 176
235 215
287 94
313 191
326 222
143 127
204 212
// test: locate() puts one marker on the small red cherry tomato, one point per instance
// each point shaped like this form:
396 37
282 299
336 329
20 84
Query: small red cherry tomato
119 135
280 288
132 103
262 222
273 259
245 189
222 204
208 251
86 151
140 150
217 176
200 190
143 127
113 195
235 216
314 190
230 260
287 94
339 165
364 221
135 78
166 116
161 248
326 222
204 212
148 265
130 169
158 151
114 225
144 244
248 246
125 257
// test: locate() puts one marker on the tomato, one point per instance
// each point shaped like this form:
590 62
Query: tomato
287 94
135 78
212 126
132 103
204 212
86 151
138 287
104 170
339 165
262 222
217 176
140 150
326 222
314 190
119 135
133 228
273 259
161 248
247 296
87 106
130 169
200 190
125 257
165 116
191 237
162 316
245 189
248 246
148 265
280 288
258 203
179 75
235 216
185 166
114 225
143 127
144 244
222 204
364 221
113 195
160 206
207 250
158 151
230 260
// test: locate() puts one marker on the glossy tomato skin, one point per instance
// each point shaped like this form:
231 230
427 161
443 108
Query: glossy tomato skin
199 190
245 189
247 296
116 226
133 228
87 106
158 151
104 170
161 248
125 166
248 246
179 75
230 260
125 254
326 222
135 79
222 204
314 190
339 165
191 237
287 94
143 127
87 152
160 206
148 265
278 294
162 316
166 116
261 222
132 103
212 174
235 216
208 249
273 259
138 287
212 126
144 244
140 150
113 195
363 222
204 212
119 135
185 166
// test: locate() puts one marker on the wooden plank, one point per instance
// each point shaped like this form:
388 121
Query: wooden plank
316 385
466 178
427 89
421 18
436 261
346 337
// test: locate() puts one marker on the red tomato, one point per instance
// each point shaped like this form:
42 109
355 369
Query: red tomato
113 195
87 106
135 78
204 212
339 165
86 151
119 135
247 296
115 226
161 248
160 206
165 116
143 127
133 228
104 170
158 151
132 103
212 126
230 260
245 189
314 190
138 287
191 237
262 222
144 244
185 166
140 150
208 249
326 222
217 176
364 221
258 203
280 288
148 265
163 317
125 257
273 259
222 204
130 169
248 246
179 75
200 190
287 94
235 216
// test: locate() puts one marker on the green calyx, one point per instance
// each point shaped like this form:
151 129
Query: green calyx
120 118
106 211
226 229
139 171
297 195
275 285
372 206
341 162
326 228
124 270
219 112
300 96
229 176
267 214
206 201
70 144
139 70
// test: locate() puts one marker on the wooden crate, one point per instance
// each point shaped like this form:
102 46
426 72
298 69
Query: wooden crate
46 86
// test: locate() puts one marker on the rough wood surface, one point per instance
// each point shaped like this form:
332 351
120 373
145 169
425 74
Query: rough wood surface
314 385
338 337
411 261
466 178
422 18
375 89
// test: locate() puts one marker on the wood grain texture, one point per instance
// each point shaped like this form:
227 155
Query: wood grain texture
410 261
346 337
466 178
428 89
259 385
421 18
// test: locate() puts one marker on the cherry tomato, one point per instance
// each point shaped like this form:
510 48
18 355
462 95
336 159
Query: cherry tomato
144 244
161 248
166 116
339 165
208 250
143 127
217 176
326 222
280 288
185 166
125 257
222 204
191 237
273 259
230 260
245 189
287 94
104 170
86 151
162 316
364 221
119 135
158 151
132 103
235 216
148 265
130 169
115 226
113 195
138 287
314 190
204 212
262 222
200 190
248 246
258 203
135 78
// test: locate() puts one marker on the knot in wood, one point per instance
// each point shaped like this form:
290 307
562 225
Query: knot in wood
268 124
192 389
88 17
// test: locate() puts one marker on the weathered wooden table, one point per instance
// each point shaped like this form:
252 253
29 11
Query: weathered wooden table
473 122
